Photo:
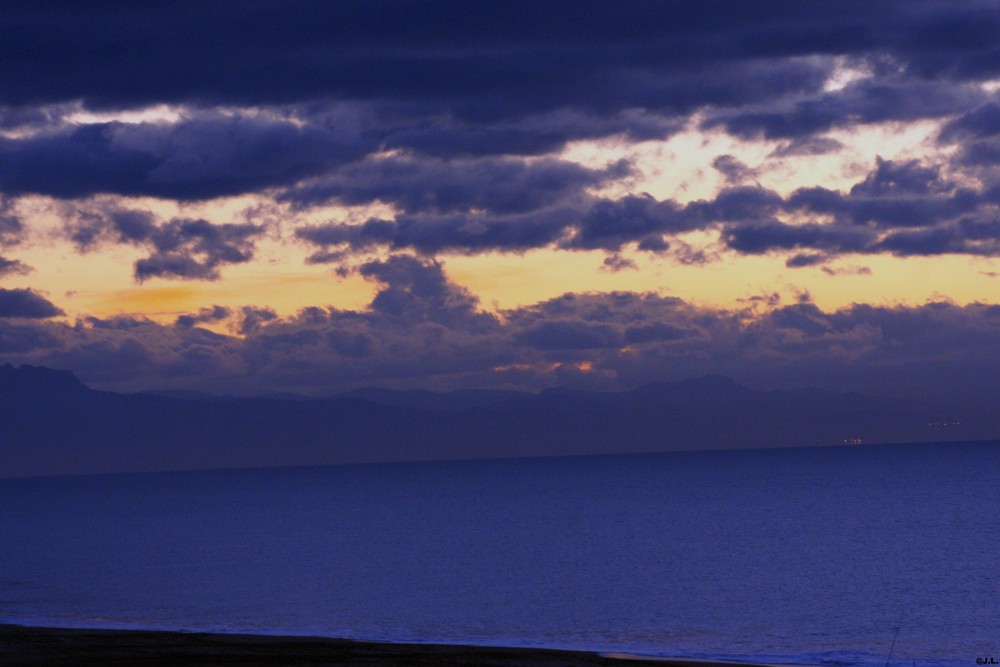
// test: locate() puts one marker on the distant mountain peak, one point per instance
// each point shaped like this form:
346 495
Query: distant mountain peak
712 381
28 378
706 385
50 423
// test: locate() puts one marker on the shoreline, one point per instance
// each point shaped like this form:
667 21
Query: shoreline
42 647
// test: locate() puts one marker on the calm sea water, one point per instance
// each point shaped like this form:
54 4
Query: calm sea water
818 556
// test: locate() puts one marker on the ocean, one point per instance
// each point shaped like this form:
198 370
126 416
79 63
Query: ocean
864 555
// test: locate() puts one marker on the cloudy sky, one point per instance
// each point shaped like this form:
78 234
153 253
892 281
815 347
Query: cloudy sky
309 196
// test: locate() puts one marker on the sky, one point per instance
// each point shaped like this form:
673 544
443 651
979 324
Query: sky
256 197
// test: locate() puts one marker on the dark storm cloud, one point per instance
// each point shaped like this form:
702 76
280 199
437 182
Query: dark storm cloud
832 240
923 242
418 324
11 227
9 267
736 204
757 239
350 344
91 227
25 338
415 290
423 106
977 134
253 317
12 232
804 318
732 169
123 349
491 61
886 211
14 118
615 263
981 154
611 332
900 207
203 316
902 178
917 342
423 330
432 233
903 208
867 101
26 303
610 224
495 185
483 205
980 123
445 136
655 331
966 237
426 107
199 158
107 359
569 335
192 249
195 249
821 260
805 259
587 224
807 146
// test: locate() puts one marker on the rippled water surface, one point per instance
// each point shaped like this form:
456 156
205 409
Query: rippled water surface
818 556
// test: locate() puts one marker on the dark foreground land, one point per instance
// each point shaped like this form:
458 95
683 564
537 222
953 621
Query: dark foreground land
55 646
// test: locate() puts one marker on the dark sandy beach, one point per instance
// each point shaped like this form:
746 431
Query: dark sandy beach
28 646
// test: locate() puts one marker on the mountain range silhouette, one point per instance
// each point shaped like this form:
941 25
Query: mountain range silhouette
52 424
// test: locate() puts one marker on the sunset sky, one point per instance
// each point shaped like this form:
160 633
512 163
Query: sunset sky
253 197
